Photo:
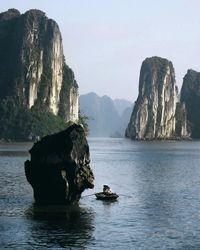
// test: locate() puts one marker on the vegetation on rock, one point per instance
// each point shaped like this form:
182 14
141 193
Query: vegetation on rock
19 123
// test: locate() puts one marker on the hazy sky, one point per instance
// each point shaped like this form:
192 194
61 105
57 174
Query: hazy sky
105 41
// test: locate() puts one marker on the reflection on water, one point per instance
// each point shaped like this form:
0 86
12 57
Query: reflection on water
24 225
164 180
65 226
108 203
45 227
158 209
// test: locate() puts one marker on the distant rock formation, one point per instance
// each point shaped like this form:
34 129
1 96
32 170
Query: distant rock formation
59 169
32 65
190 95
154 113
124 119
121 105
106 117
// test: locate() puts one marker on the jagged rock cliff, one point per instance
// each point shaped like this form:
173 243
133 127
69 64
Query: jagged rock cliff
32 65
59 169
154 113
190 95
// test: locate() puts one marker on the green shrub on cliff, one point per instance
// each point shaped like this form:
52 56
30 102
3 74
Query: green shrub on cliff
83 120
18 123
21 124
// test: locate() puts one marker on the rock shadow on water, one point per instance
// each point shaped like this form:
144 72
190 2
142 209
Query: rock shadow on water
60 226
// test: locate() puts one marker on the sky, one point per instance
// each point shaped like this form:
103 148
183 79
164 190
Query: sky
105 41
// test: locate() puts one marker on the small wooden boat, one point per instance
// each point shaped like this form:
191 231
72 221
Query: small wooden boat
106 196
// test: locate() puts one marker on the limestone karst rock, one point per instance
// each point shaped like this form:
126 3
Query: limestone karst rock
190 95
32 66
154 113
182 128
59 169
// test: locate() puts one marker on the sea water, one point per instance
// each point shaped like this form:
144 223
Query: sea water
158 207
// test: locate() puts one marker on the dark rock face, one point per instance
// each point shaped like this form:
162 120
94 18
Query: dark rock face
32 66
190 95
59 169
11 13
154 113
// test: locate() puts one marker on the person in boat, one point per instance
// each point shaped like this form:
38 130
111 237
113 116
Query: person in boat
107 189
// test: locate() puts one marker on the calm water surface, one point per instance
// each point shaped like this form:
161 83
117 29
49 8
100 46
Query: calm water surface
161 209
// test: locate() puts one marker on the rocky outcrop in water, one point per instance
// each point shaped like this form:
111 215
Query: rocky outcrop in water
59 169
32 66
190 95
154 114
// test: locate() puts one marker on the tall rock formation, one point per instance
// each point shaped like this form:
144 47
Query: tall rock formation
190 95
59 169
154 113
32 65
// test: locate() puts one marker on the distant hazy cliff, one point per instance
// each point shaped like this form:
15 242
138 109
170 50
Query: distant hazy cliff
107 117
32 65
154 115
